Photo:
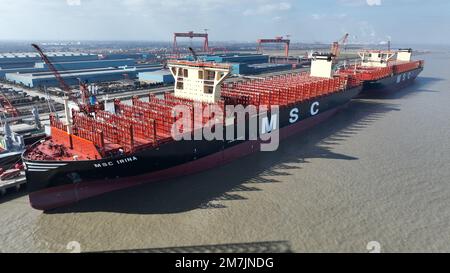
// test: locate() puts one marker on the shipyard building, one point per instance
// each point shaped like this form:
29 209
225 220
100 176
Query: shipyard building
27 69
241 64
246 63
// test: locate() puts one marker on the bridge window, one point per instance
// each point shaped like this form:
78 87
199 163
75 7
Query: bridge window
210 75
208 90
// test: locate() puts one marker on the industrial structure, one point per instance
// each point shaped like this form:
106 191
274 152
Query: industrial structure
72 77
158 76
336 46
245 63
190 35
23 60
272 41
27 69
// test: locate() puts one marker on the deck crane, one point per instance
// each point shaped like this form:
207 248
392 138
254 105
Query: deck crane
194 55
64 86
84 90
84 106
336 46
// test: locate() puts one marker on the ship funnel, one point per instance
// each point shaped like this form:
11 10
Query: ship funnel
404 55
322 65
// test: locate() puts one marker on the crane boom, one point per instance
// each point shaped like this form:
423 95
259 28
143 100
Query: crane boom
336 46
61 81
84 106
194 55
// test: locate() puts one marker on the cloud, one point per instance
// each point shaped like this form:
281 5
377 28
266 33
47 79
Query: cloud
320 16
373 2
359 3
277 18
268 9
73 2
317 16
158 19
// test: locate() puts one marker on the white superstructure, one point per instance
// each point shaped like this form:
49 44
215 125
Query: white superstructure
322 65
199 81
376 58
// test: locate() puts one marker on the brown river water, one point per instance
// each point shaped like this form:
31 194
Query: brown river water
377 171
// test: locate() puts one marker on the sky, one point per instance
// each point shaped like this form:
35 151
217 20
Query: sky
367 21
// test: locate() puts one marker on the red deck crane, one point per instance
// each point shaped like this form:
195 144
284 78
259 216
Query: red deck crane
336 46
190 35
287 42
66 88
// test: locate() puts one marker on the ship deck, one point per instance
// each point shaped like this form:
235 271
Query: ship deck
145 125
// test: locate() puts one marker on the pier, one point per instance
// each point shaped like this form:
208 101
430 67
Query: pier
15 183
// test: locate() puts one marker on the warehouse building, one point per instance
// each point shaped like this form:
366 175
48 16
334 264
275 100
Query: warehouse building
72 77
158 76
88 64
64 66
134 56
246 58
3 72
28 60
245 63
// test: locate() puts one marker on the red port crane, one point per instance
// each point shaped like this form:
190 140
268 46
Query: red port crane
287 42
190 35
336 46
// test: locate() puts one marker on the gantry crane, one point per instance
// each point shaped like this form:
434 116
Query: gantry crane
336 46
191 35
276 40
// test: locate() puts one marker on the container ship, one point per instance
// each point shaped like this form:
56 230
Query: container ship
96 151
93 151
385 70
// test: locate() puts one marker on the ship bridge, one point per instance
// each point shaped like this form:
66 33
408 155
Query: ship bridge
199 81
